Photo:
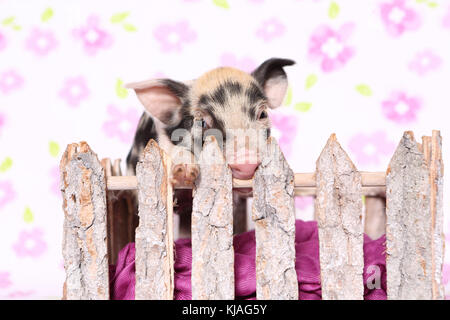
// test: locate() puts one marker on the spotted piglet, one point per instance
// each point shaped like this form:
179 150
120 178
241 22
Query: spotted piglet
225 102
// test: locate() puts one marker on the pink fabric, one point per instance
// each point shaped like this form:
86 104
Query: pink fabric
307 266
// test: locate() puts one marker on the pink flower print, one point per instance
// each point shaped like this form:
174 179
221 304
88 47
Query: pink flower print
74 91
303 202
54 175
92 36
7 193
398 18
172 37
2 41
5 282
401 108
284 129
121 124
2 121
370 148
30 243
424 62
10 81
270 29
245 64
330 47
159 75
20 295
446 20
41 42
445 273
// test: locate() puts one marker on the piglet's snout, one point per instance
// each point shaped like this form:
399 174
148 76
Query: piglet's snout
243 171
243 163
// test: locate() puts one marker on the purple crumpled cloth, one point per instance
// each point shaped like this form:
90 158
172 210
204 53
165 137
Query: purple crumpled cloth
122 275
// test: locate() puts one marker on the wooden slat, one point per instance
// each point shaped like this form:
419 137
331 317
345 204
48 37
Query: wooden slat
366 191
116 170
124 213
212 227
154 235
432 148
408 224
112 254
239 214
375 216
274 215
121 213
338 208
129 206
85 252
372 181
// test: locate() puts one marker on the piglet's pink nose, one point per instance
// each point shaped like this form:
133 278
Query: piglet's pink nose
244 171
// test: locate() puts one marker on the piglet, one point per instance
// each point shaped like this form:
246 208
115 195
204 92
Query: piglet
225 102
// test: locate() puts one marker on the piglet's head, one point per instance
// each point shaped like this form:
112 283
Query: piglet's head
225 102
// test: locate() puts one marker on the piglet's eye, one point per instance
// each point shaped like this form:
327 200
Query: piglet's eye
262 115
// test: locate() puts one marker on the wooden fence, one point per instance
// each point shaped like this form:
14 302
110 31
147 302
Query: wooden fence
99 222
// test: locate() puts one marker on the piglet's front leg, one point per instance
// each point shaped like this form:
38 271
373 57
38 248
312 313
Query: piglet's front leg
184 169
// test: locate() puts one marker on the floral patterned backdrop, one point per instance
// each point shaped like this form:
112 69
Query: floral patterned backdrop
366 70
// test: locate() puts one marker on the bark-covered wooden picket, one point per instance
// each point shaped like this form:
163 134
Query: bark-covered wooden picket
274 215
338 210
414 220
436 169
85 251
154 235
212 227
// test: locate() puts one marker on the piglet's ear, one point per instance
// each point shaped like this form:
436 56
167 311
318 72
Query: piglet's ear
272 77
162 98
